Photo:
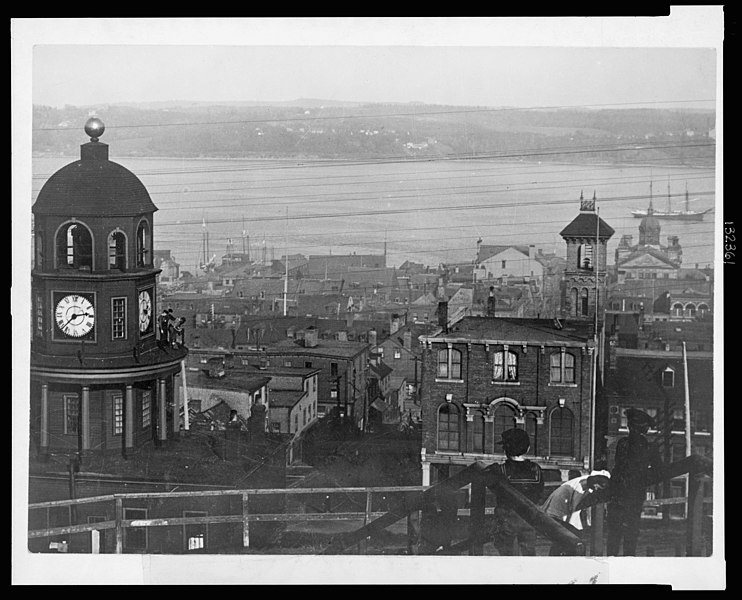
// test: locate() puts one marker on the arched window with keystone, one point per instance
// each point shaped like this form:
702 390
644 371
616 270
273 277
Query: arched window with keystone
503 418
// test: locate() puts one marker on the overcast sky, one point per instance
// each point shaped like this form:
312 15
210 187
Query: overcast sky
439 61
83 75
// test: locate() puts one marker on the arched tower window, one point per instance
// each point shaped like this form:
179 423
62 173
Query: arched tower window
703 309
504 418
561 426
74 247
575 297
117 250
690 309
449 433
677 310
584 302
144 245
585 257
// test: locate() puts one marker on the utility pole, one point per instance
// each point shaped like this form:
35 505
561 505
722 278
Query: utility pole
286 278
593 403
688 449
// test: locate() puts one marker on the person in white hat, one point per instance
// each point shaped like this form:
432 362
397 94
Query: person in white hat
562 504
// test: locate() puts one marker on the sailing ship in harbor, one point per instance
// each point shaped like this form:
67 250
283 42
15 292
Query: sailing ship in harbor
681 215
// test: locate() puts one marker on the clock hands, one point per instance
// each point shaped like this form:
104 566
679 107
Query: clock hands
76 316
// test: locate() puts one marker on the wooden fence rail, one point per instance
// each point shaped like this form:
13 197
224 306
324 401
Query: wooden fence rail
119 524
403 502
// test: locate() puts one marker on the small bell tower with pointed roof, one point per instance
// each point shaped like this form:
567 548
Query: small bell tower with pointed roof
587 240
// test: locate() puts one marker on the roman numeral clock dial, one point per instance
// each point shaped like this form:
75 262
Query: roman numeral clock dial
74 315
145 312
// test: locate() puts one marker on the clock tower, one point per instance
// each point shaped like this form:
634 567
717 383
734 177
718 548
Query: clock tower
100 379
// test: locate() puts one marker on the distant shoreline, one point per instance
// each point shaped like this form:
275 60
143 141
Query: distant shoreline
74 157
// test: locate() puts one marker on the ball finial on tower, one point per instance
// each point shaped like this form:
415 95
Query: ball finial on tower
94 127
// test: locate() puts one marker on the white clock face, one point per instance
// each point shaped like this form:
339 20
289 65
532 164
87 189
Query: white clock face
75 315
145 310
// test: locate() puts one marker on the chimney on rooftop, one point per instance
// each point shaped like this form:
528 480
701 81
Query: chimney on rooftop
407 339
310 337
491 302
443 315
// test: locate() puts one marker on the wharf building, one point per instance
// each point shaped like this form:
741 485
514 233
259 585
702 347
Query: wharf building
101 381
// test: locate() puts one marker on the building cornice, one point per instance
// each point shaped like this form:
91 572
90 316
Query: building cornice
101 376
500 342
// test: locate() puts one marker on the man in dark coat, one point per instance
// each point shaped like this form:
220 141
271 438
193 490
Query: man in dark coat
509 528
636 461
163 323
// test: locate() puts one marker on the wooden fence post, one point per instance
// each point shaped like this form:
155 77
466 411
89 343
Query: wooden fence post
363 545
245 522
413 531
597 533
694 541
119 514
476 517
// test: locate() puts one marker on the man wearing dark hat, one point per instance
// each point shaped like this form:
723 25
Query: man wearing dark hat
636 460
509 528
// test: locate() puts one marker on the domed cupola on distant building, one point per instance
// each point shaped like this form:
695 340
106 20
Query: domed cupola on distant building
649 228
101 380
587 239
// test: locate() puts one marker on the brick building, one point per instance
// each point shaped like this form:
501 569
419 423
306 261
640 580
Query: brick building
483 375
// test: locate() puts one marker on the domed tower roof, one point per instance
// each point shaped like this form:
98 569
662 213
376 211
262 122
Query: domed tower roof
649 228
93 185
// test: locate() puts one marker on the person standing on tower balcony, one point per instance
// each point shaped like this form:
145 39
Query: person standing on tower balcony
163 323
636 461
177 333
